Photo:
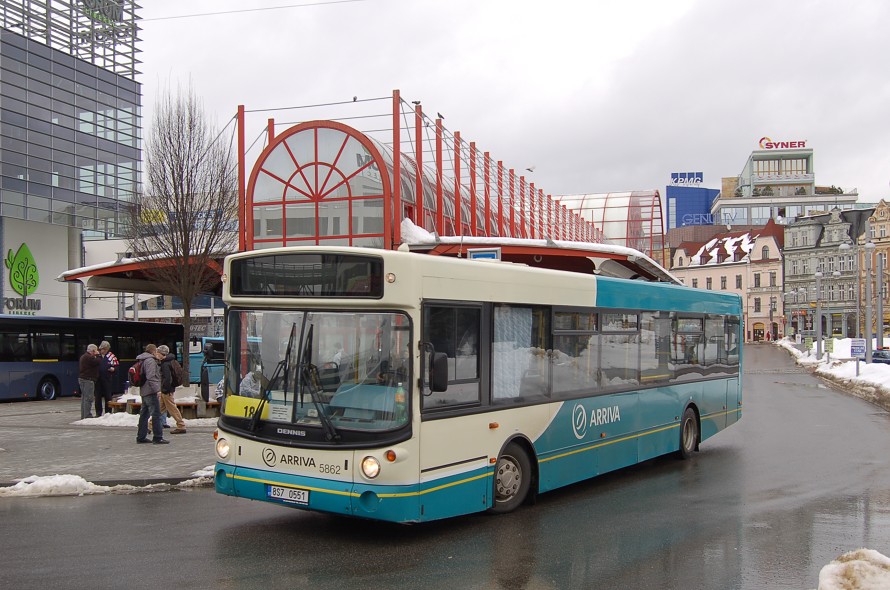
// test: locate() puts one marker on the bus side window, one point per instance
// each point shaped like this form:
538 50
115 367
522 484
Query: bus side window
127 348
455 331
520 361
16 346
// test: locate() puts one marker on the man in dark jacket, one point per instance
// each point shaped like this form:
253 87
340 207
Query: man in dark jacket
108 365
150 390
168 388
87 375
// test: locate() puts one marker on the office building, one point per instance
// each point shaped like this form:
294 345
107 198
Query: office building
778 182
70 135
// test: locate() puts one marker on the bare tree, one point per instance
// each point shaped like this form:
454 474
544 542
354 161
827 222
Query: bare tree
185 221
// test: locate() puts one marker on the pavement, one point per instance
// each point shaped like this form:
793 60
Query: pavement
42 438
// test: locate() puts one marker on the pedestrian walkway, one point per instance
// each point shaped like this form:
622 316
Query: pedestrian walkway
41 438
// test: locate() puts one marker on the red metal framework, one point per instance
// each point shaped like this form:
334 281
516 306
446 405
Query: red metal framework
322 181
325 182
631 219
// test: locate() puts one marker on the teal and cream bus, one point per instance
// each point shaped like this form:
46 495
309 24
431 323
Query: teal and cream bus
408 387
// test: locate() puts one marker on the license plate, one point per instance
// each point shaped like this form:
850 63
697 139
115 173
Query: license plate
291 495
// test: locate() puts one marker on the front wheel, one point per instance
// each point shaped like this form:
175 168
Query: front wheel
48 389
512 479
688 434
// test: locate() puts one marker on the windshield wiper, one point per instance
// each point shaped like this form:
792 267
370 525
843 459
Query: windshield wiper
282 366
309 380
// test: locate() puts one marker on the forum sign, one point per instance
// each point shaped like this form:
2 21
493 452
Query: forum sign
101 32
106 23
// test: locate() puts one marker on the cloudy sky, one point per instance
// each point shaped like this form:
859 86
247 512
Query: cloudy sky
598 96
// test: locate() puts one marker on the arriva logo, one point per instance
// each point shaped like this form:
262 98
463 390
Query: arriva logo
598 417
579 421
768 144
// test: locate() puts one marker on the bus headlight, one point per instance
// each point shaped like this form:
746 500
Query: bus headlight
222 448
370 467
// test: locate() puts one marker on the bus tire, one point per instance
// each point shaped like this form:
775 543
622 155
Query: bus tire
512 479
47 389
688 434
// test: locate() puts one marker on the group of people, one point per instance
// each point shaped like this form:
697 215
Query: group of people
156 390
159 367
98 366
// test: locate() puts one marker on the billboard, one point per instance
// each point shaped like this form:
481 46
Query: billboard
30 267
686 178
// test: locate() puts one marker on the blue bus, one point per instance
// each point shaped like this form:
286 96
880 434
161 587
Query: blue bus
408 387
210 354
39 355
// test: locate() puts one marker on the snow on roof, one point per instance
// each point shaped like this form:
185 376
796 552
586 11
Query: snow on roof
722 249
413 235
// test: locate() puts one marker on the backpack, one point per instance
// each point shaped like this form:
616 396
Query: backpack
135 373
175 373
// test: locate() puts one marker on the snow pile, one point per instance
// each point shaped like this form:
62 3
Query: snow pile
864 569
54 485
132 420
74 485
872 383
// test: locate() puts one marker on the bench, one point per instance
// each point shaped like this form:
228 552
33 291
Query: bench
198 409
116 406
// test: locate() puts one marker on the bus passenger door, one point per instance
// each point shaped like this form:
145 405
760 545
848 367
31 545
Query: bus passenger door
455 447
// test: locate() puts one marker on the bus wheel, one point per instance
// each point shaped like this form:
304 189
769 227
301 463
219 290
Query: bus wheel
688 434
512 479
48 389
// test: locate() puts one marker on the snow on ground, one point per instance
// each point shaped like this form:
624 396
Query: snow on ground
868 381
132 421
863 569
74 485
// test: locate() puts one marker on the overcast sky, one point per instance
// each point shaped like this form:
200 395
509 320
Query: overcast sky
598 96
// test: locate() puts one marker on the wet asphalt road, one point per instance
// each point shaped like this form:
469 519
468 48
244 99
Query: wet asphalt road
801 479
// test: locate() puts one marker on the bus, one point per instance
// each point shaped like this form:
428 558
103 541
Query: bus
207 352
462 385
39 355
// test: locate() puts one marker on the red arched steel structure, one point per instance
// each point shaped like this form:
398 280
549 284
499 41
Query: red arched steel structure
324 182
319 182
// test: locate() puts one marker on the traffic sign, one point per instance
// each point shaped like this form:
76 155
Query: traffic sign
857 348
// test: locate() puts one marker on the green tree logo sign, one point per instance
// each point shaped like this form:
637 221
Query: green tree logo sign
22 271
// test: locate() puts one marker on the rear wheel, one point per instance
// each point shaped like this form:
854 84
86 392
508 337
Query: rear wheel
512 479
688 434
48 389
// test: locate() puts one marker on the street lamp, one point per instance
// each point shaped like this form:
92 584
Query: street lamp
802 293
837 286
819 315
845 248
879 281
869 249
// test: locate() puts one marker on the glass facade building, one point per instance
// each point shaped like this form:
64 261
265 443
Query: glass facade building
70 130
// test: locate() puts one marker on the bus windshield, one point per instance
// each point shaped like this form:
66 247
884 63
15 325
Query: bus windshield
349 369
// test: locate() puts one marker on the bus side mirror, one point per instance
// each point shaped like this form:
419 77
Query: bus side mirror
439 372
